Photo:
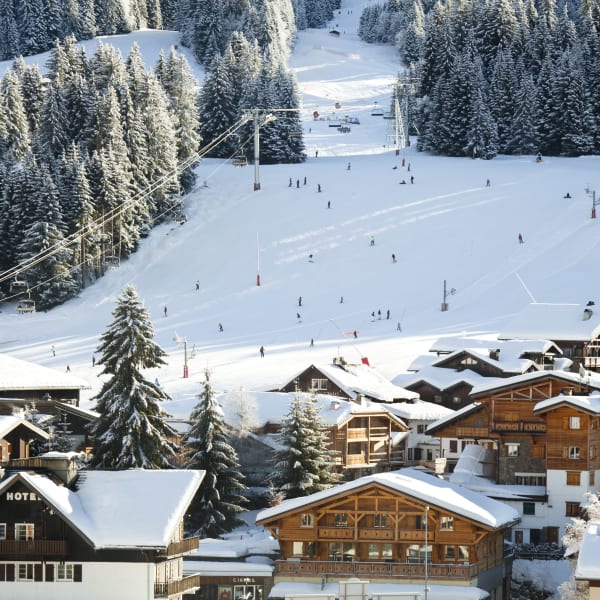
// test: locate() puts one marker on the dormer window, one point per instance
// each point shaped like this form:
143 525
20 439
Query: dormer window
468 361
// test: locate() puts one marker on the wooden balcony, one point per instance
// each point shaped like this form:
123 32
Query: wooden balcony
336 533
416 535
454 572
180 586
358 433
376 533
183 546
37 548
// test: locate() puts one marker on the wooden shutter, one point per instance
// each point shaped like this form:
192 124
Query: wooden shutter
10 572
77 573
49 572
38 572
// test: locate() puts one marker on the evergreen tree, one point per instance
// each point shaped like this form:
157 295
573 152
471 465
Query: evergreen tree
60 432
130 431
304 464
219 499
9 32
16 134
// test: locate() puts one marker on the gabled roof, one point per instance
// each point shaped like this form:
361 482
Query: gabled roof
414 483
17 374
591 380
419 410
589 404
456 415
9 423
504 363
137 508
357 380
553 322
512 348
442 379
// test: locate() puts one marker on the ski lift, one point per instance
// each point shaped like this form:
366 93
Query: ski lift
376 111
239 161
26 306
112 261
103 239
388 115
335 121
18 286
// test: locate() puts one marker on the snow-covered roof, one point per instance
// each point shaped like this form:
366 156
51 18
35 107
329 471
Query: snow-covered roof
412 482
361 379
84 413
226 568
588 565
514 348
589 404
419 410
442 379
590 379
17 374
286 589
137 508
8 423
505 363
553 322
456 414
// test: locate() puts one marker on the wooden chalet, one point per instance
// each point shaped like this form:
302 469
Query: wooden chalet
502 418
101 534
574 328
347 381
400 527
16 435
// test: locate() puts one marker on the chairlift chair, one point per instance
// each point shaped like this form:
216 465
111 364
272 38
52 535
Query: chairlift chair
112 261
239 161
376 111
25 306
103 239
18 286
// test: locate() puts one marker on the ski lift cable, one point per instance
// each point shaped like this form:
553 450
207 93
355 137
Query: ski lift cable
119 210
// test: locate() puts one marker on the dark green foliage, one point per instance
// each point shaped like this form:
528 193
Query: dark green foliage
130 431
220 497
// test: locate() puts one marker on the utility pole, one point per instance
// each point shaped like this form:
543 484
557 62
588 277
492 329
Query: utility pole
426 551
447 293
256 150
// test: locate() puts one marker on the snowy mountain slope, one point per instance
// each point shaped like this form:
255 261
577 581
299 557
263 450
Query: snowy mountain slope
447 225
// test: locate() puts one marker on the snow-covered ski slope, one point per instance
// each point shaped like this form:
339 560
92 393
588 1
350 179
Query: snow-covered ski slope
446 226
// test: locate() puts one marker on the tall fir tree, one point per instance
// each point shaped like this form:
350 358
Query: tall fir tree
220 497
131 431
304 464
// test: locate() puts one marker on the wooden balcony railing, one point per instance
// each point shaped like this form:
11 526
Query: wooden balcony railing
183 546
472 432
180 586
358 433
463 572
46 548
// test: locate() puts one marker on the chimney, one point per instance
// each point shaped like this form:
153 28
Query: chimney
495 354
335 405
587 313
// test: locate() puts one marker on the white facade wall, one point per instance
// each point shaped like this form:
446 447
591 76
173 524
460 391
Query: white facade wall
100 581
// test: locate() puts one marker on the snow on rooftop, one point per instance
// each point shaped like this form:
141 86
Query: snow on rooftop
442 378
8 423
427 488
121 509
589 403
419 410
455 414
226 568
506 363
554 322
588 565
17 374
513 348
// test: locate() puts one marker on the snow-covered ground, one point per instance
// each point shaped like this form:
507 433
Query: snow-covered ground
446 226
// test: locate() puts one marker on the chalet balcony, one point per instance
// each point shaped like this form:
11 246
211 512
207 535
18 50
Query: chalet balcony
180 586
358 433
183 546
454 572
31 548
591 362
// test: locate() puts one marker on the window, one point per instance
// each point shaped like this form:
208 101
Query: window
420 521
572 509
340 519
456 399
416 553
64 572
24 531
453 446
380 521
447 523
512 450
574 422
529 508
307 520
2 531
592 477
25 572
341 551
574 452
449 553
463 553
573 477
530 479
318 384
421 427
380 551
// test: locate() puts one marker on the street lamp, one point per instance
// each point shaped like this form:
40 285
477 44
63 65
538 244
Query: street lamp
426 551
181 341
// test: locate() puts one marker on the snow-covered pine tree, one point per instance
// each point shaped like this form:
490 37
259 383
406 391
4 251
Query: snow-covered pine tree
130 431
32 415
60 433
220 497
304 464
30 18
16 132
9 31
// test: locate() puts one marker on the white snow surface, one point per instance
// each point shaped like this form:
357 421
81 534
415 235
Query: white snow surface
588 566
446 226
137 508
8 423
427 488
